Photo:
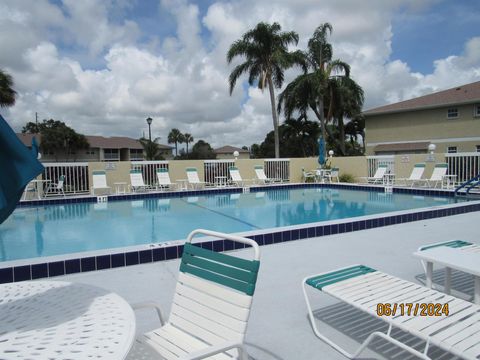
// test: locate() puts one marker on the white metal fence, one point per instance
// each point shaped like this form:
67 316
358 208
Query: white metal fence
76 176
216 171
149 170
277 168
374 161
464 165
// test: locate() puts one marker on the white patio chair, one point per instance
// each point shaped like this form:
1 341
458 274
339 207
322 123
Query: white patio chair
193 179
136 181
56 189
99 179
415 176
377 178
439 171
332 176
236 178
210 309
262 178
306 175
365 288
163 179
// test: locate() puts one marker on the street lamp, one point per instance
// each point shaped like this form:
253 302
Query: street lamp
149 122
330 153
235 154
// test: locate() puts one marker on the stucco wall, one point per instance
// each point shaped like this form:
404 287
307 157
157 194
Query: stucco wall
425 125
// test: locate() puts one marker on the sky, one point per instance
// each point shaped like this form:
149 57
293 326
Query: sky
104 66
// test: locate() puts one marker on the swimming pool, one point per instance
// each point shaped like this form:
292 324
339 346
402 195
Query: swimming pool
70 228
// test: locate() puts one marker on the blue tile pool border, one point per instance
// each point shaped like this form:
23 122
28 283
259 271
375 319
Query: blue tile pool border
162 252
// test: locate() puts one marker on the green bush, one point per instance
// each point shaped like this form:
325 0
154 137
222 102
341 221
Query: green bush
346 178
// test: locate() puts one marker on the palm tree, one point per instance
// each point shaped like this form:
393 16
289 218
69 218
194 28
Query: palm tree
175 137
7 94
308 91
151 148
187 138
265 50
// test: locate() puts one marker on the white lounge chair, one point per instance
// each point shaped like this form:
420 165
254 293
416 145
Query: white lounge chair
136 181
235 176
193 179
262 178
56 189
99 179
439 171
163 179
364 288
378 176
415 176
211 306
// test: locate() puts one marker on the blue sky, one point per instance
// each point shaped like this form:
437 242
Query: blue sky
103 66
436 32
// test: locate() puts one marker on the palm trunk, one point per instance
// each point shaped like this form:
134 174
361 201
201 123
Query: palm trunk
274 117
176 149
341 129
322 123
187 148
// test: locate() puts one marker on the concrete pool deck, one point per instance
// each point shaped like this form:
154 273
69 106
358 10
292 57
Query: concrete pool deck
278 327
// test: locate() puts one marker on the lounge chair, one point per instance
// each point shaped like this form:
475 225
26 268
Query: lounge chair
415 176
193 179
211 306
99 179
438 174
163 179
136 181
235 176
364 288
378 177
262 178
56 188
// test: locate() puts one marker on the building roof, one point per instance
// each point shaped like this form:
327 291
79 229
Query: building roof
114 142
408 146
464 94
227 149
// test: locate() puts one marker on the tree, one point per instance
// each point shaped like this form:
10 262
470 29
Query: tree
175 137
151 149
308 91
7 94
202 150
57 137
265 50
187 138
355 127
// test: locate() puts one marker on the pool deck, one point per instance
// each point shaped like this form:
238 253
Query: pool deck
278 327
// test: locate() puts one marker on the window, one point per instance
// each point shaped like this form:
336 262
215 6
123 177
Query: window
452 150
476 110
477 148
111 154
452 113
136 154
90 152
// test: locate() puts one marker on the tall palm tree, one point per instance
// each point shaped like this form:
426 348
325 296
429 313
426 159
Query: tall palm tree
308 91
175 137
187 138
265 50
151 148
7 94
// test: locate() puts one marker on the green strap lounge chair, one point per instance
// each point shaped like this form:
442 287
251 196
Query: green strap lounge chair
99 179
364 288
210 308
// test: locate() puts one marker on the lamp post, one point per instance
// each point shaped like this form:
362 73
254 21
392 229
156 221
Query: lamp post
236 154
149 122
431 155
330 153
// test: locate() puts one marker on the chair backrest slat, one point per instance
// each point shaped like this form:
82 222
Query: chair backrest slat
235 174
99 179
439 171
417 172
260 172
136 178
192 176
381 170
163 177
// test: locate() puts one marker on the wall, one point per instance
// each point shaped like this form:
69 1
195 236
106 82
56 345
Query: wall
425 125
231 157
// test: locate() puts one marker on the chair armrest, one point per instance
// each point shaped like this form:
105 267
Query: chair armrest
212 350
150 305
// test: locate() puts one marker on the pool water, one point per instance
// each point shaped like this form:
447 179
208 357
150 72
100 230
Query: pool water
69 228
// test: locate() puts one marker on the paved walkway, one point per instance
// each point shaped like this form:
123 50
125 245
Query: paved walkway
278 328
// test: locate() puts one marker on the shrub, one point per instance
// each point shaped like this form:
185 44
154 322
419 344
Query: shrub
346 178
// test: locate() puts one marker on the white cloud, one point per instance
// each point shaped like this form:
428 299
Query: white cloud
182 80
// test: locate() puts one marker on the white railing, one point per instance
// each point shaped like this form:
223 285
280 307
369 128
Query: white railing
277 168
464 165
76 176
149 169
374 161
216 171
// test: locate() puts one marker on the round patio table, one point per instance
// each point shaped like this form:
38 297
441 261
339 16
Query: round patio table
62 320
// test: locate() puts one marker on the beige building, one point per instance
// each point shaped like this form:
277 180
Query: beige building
449 119
226 152
115 148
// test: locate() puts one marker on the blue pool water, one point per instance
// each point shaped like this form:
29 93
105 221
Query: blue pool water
69 228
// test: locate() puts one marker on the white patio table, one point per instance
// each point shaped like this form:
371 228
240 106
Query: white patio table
453 258
62 320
